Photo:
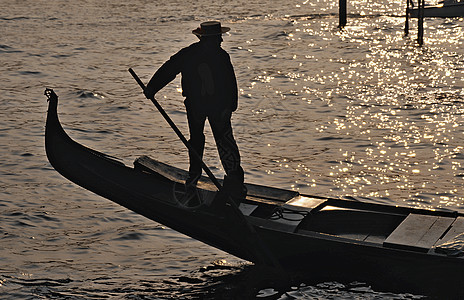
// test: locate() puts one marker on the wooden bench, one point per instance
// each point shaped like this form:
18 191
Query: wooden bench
418 232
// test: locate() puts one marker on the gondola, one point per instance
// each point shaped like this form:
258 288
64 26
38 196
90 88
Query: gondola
389 247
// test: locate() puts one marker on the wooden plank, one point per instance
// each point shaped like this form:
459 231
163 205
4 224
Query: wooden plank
418 232
410 231
435 232
302 202
149 165
456 228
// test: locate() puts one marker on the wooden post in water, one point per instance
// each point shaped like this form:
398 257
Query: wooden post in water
341 13
420 23
406 24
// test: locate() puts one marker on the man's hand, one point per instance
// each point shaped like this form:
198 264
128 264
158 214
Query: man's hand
149 93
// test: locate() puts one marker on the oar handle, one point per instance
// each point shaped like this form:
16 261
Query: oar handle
142 85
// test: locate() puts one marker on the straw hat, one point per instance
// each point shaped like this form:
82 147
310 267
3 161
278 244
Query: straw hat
210 28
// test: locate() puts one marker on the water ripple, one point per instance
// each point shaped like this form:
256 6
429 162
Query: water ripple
360 113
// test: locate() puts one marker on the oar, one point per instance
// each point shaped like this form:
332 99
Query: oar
253 236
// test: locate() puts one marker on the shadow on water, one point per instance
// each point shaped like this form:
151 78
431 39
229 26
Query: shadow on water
220 280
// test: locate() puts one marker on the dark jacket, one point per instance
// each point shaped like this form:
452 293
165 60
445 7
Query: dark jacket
208 79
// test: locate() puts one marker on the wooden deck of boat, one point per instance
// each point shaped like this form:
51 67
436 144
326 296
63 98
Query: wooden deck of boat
256 193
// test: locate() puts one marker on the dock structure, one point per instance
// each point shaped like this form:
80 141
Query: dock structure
342 18
420 20
341 13
420 23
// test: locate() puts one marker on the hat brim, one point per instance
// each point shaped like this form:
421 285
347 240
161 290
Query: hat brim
199 32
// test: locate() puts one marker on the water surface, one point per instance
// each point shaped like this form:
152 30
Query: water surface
361 112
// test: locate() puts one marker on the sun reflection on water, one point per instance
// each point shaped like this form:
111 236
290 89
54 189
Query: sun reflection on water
383 117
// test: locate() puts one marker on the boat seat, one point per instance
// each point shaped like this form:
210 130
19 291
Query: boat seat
303 203
418 232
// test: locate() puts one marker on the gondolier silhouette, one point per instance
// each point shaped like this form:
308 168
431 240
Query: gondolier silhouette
209 86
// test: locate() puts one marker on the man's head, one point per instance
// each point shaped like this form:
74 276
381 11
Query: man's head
210 28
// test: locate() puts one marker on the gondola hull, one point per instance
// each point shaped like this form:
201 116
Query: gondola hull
322 238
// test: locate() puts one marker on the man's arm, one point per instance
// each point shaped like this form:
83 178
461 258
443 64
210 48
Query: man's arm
164 75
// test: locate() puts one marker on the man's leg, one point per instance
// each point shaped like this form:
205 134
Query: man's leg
196 122
229 154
